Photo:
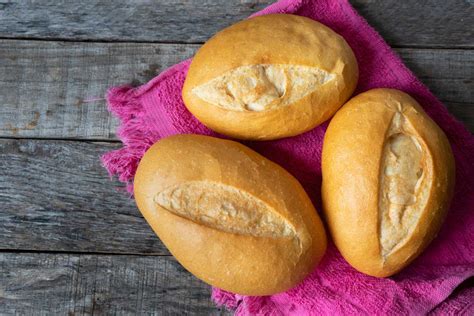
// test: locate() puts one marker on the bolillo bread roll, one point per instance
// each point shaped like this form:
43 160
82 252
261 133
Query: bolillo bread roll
270 77
231 217
388 177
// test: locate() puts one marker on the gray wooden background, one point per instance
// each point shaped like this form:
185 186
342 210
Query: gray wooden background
70 242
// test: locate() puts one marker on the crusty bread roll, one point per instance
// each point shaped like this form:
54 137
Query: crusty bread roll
388 177
230 216
270 77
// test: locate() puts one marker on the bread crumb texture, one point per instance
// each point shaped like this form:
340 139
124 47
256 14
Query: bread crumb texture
405 182
224 208
262 87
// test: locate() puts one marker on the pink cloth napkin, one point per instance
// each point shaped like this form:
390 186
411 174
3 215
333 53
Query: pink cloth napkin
155 110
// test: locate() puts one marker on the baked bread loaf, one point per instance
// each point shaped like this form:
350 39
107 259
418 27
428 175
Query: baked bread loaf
231 217
388 177
270 77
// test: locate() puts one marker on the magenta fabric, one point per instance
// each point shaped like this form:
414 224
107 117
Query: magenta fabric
459 303
156 110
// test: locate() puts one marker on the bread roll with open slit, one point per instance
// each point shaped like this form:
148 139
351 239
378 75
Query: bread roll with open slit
388 177
270 77
231 217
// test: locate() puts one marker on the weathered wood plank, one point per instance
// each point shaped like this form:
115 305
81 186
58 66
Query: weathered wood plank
411 23
70 284
55 196
414 23
125 20
441 64
56 89
449 75
49 89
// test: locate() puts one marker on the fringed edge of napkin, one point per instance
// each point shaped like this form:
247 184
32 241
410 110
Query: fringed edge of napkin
123 102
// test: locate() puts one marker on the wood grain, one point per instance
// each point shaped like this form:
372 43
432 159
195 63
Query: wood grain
56 89
124 20
410 23
56 196
71 284
449 75
414 23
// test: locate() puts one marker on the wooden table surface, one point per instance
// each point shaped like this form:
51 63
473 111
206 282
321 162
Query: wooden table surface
70 242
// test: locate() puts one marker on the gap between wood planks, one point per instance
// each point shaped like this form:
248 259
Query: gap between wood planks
73 252
112 41
79 139
131 41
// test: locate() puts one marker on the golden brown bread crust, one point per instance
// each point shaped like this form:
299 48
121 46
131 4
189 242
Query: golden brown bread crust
378 219
230 216
280 44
